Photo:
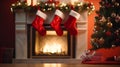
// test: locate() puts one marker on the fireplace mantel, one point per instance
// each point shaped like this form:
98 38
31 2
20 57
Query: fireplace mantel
23 18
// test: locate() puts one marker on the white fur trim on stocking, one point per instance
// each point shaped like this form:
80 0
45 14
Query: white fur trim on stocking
74 14
41 14
59 13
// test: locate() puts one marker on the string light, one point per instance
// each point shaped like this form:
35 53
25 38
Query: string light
78 6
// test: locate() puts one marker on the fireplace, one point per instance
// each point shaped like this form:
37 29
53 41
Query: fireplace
51 45
25 37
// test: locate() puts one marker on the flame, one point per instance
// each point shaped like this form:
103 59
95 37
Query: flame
46 44
52 48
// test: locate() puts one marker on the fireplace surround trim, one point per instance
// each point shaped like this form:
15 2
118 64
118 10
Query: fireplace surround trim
31 43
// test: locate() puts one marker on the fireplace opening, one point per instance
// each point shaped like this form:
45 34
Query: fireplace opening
51 45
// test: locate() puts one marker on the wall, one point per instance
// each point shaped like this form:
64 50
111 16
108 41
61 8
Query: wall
7 25
7 30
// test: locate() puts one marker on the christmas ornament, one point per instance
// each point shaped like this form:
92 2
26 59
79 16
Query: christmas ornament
70 24
117 18
108 33
113 1
117 40
53 5
38 22
101 41
109 24
56 22
117 32
97 28
103 19
113 46
19 3
92 39
103 3
116 4
107 5
113 14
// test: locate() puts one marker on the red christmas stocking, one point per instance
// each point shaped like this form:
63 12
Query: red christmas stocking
55 24
70 24
38 22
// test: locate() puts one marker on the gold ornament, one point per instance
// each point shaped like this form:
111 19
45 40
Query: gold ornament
13 4
80 4
101 41
97 28
92 39
19 3
117 4
96 40
103 19
113 0
49 9
109 24
113 46
43 9
103 2
113 14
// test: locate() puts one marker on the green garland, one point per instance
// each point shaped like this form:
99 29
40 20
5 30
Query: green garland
79 6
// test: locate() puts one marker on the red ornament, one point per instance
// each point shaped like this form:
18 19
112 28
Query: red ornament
101 41
117 40
108 33
108 5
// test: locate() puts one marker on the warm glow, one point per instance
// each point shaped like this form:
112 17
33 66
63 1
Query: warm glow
52 48
51 44
28 2
34 2
37 46
73 1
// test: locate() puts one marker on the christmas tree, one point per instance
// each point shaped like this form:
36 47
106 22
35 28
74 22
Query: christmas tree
106 33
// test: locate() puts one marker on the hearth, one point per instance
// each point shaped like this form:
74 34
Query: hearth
24 36
51 45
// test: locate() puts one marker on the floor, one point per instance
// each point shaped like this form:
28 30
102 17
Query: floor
55 65
29 61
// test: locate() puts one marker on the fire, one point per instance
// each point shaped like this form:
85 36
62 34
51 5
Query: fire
51 44
52 48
